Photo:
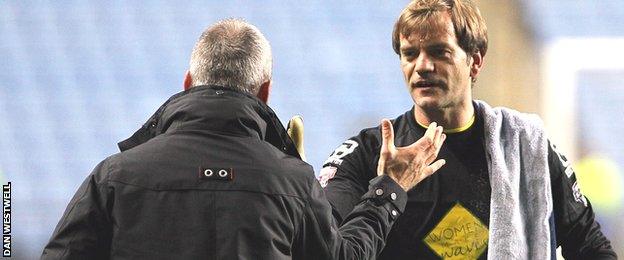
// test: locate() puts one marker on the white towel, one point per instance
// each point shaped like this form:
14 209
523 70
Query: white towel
521 201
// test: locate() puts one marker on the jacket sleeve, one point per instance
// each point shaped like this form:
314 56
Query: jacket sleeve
577 231
345 174
84 231
364 230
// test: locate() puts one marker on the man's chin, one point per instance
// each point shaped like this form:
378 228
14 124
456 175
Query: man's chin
427 102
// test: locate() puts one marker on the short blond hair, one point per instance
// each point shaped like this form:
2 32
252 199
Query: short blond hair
470 28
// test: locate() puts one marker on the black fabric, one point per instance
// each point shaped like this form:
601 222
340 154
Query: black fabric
279 137
577 232
464 180
159 199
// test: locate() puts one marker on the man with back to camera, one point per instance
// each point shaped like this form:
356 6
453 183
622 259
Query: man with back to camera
213 175
504 193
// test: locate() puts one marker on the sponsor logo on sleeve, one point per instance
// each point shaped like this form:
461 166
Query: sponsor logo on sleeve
564 161
578 196
336 158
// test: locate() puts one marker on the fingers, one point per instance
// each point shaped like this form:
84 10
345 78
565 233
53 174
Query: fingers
387 145
436 149
441 141
438 144
429 170
412 163
418 174
387 136
430 133
437 135
431 137
381 164
437 138
426 156
427 140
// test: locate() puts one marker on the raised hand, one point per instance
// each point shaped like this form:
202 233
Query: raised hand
411 164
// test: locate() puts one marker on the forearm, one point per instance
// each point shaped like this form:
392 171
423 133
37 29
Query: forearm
364 230
368 225
585 240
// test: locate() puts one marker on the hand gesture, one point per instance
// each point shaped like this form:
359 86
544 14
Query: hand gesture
411 164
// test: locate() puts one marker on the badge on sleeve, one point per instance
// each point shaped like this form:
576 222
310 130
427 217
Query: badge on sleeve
327 173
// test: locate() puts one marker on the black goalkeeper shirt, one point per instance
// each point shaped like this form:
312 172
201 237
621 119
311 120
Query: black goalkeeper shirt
464 180
447 214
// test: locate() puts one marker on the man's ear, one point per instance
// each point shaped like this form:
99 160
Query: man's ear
265 89
188 81
476 65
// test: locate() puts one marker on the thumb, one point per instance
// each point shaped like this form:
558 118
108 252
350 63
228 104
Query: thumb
387 136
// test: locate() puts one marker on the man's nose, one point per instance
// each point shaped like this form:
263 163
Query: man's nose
424 64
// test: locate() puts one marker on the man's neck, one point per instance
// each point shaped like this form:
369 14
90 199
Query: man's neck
450 118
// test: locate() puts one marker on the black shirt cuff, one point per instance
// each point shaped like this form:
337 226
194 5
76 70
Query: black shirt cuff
384 191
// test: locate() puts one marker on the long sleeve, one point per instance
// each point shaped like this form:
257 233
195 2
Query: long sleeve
577 231
84 231
346 172
364 230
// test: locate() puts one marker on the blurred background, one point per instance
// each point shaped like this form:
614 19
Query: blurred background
76 77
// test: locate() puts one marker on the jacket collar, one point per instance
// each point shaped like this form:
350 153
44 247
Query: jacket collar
217 109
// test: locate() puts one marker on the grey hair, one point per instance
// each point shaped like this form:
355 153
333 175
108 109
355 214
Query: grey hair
232 53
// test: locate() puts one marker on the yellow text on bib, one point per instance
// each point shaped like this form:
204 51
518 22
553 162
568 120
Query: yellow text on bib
459 235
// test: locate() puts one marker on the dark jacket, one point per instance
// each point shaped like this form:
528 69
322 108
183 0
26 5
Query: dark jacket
213 175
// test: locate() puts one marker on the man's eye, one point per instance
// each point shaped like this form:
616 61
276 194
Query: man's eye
409 54
441 53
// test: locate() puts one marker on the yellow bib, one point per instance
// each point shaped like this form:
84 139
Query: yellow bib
459 235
